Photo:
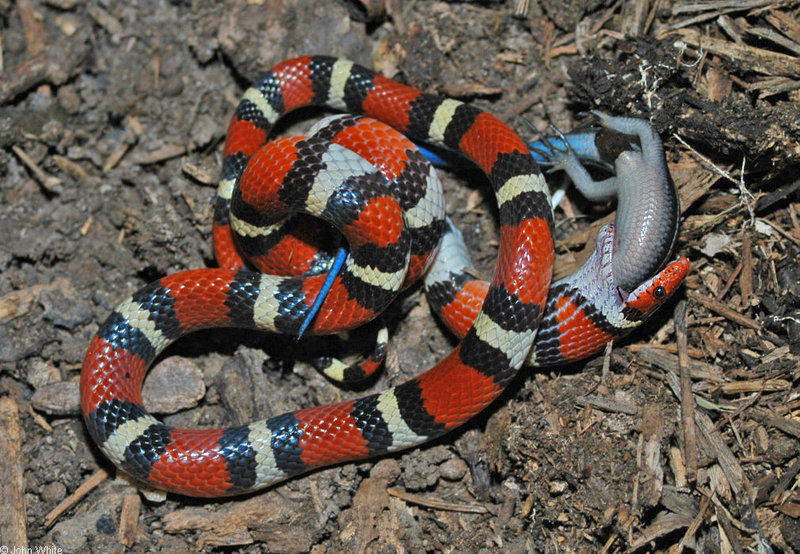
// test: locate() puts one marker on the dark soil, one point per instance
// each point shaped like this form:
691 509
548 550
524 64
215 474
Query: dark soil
112 118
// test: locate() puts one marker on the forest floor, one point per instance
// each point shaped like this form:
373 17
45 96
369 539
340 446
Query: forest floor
112 119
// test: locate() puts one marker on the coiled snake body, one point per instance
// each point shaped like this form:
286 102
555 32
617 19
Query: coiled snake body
497 337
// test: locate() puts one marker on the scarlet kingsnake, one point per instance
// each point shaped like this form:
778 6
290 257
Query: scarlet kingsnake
495 345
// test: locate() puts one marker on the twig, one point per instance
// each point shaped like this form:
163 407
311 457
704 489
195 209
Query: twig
47 181
729 283
706 161
97 477
705 502
687 401
723 310
436 504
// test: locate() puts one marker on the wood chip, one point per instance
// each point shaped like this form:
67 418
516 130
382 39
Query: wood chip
723 454
791 509
756 385
662 358
678 468
116 155
723 310
777 38
69 167
19 302
33 27
785 482
665 523
279 537
173 385
472 90
780 353
13 521
747 57
785 22
198 173
62 398
86 226
705 502
129 519
231 519
608 405
162 154
105 20
788 426
695 353
362 523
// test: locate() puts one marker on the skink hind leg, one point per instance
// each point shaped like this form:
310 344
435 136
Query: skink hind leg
597 142
569 153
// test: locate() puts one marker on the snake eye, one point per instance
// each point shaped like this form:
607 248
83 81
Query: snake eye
659 292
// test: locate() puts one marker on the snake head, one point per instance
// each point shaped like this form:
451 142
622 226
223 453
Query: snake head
653 292
621 309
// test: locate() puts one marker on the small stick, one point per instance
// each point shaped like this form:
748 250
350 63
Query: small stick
687 400
746 279
97 477
705 502
436 504
47 181
725 311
